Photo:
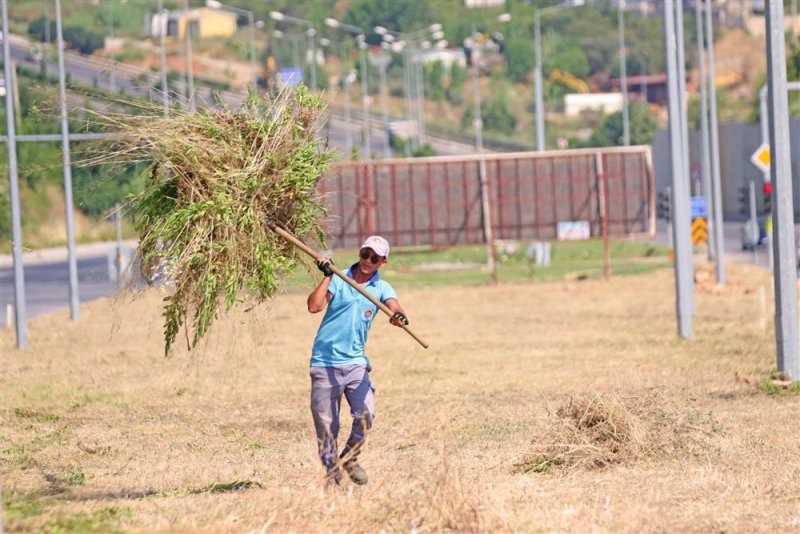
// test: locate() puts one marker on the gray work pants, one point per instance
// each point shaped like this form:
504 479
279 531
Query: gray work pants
328 384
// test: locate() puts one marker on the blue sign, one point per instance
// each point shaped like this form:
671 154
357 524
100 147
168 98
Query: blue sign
291 76
699 207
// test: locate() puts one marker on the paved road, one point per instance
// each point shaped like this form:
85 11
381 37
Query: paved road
47 285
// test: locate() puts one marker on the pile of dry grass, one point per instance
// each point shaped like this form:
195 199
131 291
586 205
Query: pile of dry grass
217 180
602 430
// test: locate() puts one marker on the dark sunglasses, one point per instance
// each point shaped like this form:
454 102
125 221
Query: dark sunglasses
367 255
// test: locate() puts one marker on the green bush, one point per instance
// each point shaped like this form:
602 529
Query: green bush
76 37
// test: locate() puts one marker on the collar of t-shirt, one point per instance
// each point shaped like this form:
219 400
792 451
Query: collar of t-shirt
373 279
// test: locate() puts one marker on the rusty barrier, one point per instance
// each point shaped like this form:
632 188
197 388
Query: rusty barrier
437 201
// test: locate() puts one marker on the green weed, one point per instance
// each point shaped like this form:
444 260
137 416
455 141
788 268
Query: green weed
538 464
19 456
75 476
105 520
36 415
224 487
16 508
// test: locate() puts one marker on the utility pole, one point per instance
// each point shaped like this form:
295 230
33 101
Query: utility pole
162 29
785 274
20 321
65 149
537 81
704 129
716 188
484 185
680 187
684 124
190 65
626 130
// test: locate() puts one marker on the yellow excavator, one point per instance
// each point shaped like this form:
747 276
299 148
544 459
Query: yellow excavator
568 80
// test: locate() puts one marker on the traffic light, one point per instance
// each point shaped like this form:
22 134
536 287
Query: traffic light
767 197
744 200
664 205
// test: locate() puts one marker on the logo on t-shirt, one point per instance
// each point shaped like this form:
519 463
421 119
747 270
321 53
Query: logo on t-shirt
368 314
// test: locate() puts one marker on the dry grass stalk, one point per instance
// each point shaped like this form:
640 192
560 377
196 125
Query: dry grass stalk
601 430
217 180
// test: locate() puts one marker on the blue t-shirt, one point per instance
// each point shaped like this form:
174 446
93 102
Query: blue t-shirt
343 332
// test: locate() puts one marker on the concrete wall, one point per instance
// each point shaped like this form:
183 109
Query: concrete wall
737 142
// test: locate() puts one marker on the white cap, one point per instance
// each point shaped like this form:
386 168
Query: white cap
377 244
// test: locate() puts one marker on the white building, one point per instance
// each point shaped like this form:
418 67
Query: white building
484 3
576 103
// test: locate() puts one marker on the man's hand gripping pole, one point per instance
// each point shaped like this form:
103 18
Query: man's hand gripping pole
305 248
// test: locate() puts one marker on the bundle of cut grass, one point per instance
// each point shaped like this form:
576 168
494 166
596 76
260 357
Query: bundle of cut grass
601 430
218 179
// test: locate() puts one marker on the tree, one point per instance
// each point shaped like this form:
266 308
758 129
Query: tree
495 112
519 57
642 125
435 83
458 76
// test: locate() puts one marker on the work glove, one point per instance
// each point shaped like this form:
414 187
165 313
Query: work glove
398 319
325 267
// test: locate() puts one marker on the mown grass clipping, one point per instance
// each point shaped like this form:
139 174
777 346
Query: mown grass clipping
597 431
217 179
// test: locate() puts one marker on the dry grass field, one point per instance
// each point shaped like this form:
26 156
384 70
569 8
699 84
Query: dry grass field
564 406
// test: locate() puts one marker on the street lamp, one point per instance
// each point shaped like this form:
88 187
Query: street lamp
487 219
216 4
162 31
382 60
410 44
347 77
310 32
537 35
362 45
295 40
626 133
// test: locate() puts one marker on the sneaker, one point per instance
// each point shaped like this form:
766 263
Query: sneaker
357 473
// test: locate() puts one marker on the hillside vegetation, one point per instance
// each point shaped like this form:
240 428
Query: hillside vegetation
581 41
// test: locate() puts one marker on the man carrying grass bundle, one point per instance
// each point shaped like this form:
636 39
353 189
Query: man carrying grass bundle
338 363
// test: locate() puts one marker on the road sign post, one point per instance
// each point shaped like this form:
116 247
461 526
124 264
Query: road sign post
787 331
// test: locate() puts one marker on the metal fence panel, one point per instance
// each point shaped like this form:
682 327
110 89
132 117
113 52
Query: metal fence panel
436 201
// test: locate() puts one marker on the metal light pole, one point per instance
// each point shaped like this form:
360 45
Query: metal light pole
785 276
684 112
346 78
537 80
310 32
419 63
20 321
484 185
413 71
537 73
704 130
362 45
680 186
383 60
111 36
251 24
162 29
626 131
73 264
190 66
716 189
